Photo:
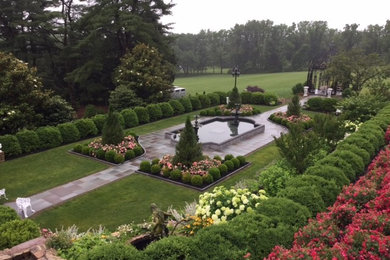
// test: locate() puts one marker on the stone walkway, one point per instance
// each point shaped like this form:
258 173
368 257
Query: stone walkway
156 145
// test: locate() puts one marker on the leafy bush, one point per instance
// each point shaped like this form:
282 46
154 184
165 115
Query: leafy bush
214 171
361 143
155 161
196 180
214 99
294 107
173 247
166 172
142 114
138 150
297 89
110 156
7 214
85 150
101 154
49 136
361 107
370 136
222 96
155 169
217 157
86 127
130 117
154 111
78 148
270 99
356 150
28 140
207 178
234 97
90 111
112 130
204 101
61 240
340 163
99 121
352 158
228 157
223 169
241 159
175 174
11 146
129 155
186 177
246 97
273 179
236 163
177 107
195 103
329 172
230 165
145 166
118 158
166 109
322 104
187 104
109 251
258 98
17 231
69 132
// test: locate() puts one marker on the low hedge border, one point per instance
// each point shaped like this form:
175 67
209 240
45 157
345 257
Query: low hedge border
194 187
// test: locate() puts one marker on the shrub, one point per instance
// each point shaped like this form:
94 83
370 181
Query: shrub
236 163
177 107
214 99
352 158
222 96
204 101
340 163
207 178
7 214
118 158
78 148
62 240
305 195
99 121
90 111
270 99
228 157
112 130
130 117
109 251
294 107
195 103
17 231
361 143
223 169
297 89
173 247
186 177
142 114
376 131
129 155
28 140
187 104
214 171
101 154
217 157
49 136
138 150
155 169
246 97
196 180
273 179
356 150
166 109
258 98
314 103
284 210
370 136
85 150
175 174
329 172
230 165
211 112
166 172
234 97
145 166
11 146
110 156
155 161
69 132
203 112
86 127
154 111
241 159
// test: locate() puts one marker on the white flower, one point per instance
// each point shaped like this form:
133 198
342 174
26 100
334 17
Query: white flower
238 212
218 212
219 203
242 207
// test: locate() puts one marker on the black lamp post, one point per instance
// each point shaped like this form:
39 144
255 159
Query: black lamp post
237 107
196 127
235 74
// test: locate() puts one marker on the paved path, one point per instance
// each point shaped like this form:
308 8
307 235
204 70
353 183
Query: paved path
156 145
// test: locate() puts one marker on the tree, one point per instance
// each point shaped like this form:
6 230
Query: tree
188 150
144 71
112 129
234 97
124 97
294 107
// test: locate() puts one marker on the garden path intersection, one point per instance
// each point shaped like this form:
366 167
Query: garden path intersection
155 145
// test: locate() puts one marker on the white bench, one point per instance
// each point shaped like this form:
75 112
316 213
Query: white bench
2 193
23 204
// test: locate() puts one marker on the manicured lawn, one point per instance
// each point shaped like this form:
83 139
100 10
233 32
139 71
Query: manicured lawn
278 83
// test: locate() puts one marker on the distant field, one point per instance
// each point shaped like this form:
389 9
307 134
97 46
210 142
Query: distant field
278 83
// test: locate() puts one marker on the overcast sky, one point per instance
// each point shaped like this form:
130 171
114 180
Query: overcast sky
191 16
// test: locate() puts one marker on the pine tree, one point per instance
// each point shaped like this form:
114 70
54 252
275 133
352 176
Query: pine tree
188 150
294 107
112 129
234 98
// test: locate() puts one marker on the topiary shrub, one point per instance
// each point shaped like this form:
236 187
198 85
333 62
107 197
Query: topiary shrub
154 111
196 180
195 102
246 97
236 163
86 127
241 159
78 148
69 132
17 231
186 102
204 101
130 117
11 146
360 142
138 150
118 158
378 135
175 174
166 109
155 169
101 154
28 140
49 137
155 161
230 165
112 130
273 179
343 165
217 157
328 172
129 155
258 98
7 214
166 172
142 114
186 177
145 166
99 121
110 156
305 195
353 159
214 171
297 89
223 169
173 247
85 150
177 107
270 99
356 150
294 107
214 99
207 179
222 96
228 157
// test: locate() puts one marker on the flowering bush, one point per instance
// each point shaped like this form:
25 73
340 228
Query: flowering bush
223 204
351 127
128 143
197 168
245 110
195 224
292 118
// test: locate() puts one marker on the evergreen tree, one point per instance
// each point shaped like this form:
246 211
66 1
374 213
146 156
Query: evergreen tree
234 98
112 130
188 150
294 107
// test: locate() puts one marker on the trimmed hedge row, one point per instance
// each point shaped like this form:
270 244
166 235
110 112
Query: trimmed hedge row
321 104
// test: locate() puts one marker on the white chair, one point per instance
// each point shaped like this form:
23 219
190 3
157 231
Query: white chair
23 204
2 193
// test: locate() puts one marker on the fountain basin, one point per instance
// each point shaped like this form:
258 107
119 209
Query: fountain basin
219 132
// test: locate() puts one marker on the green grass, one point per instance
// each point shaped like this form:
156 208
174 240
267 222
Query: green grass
278 83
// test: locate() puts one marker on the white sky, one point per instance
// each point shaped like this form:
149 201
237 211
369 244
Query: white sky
191 16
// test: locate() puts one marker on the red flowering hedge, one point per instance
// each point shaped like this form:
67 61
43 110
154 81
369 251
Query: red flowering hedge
357 226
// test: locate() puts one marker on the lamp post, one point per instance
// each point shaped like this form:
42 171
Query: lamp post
237 107
235 74
196 127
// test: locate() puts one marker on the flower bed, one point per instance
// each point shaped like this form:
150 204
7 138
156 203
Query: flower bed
126 150
223 110
200 174
357 226
283 119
